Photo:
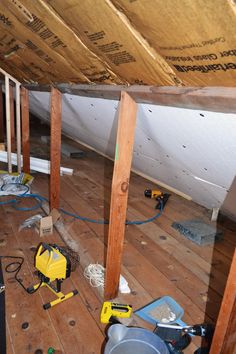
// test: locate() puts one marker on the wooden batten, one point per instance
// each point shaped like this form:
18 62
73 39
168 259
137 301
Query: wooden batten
2 135
8 123
224 336
55 148
18 128
119 193
12 115
25 129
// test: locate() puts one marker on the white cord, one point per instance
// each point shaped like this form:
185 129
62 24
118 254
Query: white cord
95 273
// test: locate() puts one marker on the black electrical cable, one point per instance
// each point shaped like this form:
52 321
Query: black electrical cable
16 269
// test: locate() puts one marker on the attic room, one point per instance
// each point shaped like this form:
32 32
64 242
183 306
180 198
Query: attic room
118 165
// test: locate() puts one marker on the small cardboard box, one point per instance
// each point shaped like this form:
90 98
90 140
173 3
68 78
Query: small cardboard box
45 226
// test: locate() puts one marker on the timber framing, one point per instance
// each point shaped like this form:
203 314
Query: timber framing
55 149
25 129
216 99
12 117
119 193
224 336
2 130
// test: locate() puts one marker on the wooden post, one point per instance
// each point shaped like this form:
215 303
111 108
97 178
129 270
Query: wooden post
119 193
18 128
12 114
8 123
1 117
224 337
55 148
25 129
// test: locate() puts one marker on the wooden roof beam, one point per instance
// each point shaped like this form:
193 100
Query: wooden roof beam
216 99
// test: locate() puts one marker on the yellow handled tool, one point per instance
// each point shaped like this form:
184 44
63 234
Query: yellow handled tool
161 197
152 193
112 310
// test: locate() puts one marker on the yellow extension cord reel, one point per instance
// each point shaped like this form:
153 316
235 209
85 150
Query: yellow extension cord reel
54 265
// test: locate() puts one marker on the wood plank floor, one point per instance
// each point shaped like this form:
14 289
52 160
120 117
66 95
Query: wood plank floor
157 261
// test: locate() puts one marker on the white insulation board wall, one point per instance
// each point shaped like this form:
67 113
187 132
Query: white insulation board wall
190 150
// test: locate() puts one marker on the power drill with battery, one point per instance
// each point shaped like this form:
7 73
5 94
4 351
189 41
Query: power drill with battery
177 337
160 197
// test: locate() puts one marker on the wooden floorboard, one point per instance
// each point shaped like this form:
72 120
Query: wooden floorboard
157 260
74 338
20 307
190 259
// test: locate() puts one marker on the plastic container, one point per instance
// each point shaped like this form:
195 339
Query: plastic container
124 340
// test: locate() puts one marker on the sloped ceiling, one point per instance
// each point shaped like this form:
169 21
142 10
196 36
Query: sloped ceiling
148 42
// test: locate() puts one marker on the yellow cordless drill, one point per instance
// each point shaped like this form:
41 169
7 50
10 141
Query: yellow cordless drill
160 197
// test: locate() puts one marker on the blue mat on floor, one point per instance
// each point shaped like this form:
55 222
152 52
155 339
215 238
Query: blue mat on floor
198 231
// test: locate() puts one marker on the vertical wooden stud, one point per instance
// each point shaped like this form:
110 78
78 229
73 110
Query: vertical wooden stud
119 193
12 114
226 319
8 123
18 128
25 129
1 117
55 148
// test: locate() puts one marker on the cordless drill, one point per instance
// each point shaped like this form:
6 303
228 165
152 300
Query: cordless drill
160 197
177 338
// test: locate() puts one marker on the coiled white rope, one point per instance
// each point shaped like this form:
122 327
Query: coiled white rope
96 274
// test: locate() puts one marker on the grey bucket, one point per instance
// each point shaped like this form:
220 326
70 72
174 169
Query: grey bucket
123 340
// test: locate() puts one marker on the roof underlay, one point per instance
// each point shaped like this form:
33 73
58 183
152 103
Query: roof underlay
161 43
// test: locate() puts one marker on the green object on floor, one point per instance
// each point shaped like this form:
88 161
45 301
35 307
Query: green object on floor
51 350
